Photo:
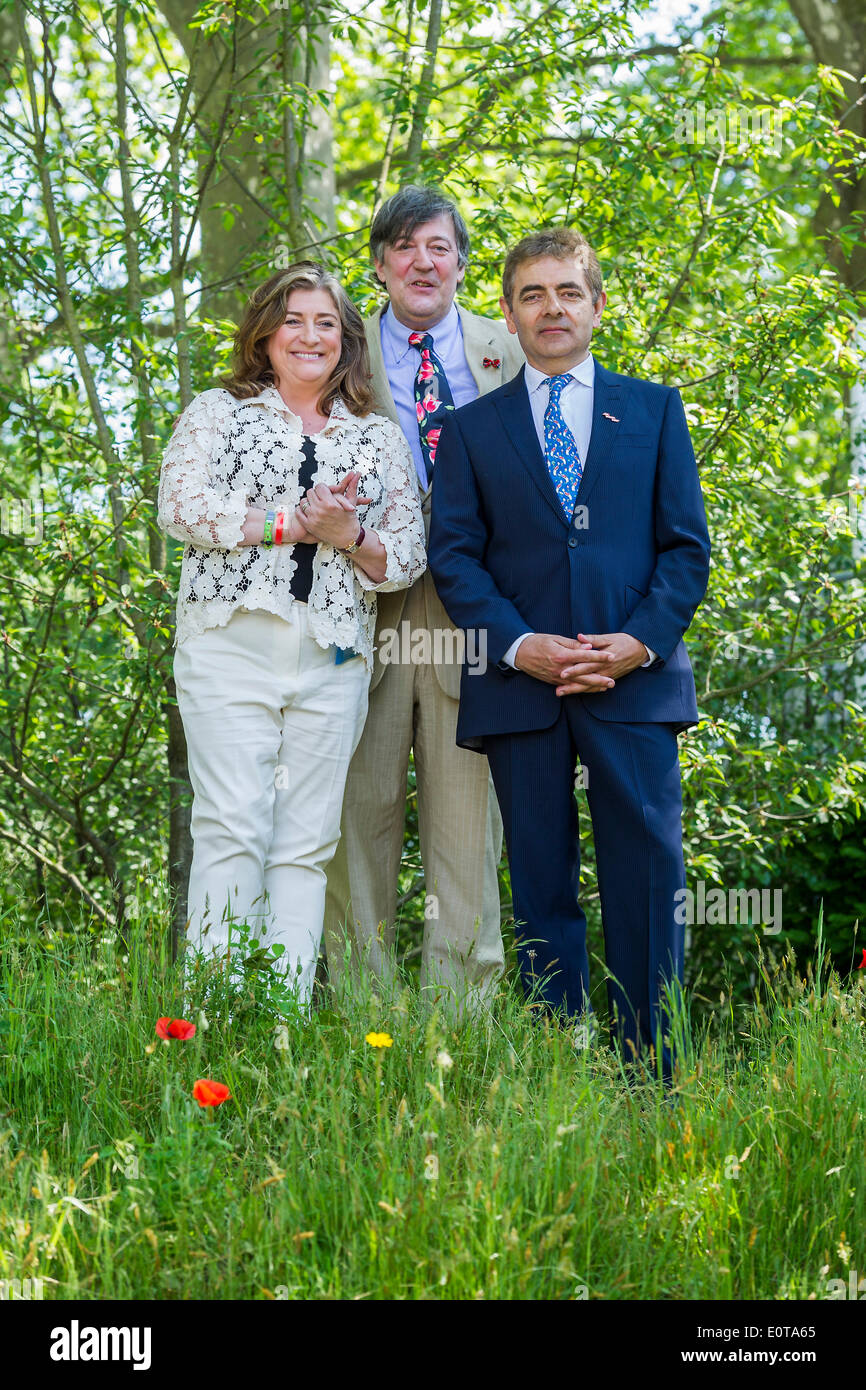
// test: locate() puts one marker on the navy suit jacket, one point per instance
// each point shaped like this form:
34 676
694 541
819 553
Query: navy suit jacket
634 557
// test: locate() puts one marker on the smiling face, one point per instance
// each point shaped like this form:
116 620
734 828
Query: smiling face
305 349
552 312
421 274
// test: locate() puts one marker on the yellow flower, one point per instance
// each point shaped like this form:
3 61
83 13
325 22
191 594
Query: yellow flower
379 1040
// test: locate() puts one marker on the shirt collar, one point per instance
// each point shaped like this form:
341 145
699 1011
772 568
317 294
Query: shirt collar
584 372
396 334
271 399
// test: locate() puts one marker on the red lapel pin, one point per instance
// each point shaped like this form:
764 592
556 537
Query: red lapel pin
492 362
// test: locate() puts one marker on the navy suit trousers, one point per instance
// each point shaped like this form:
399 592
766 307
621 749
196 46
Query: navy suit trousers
632 777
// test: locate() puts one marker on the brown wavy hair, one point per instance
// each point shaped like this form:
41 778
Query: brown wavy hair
266 310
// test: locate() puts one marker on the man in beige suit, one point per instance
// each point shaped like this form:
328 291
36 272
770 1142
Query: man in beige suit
428 356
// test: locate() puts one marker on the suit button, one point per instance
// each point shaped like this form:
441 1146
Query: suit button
572 541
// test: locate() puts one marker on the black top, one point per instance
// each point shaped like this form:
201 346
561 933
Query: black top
302 580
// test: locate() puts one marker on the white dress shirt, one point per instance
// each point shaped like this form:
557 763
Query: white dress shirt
401 368
575 403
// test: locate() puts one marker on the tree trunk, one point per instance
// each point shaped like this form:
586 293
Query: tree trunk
836 32
247 231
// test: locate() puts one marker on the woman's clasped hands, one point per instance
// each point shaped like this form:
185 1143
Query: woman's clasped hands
329 513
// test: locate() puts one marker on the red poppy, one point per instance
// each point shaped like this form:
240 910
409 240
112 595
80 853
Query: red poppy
862 965
210 1093
174 1028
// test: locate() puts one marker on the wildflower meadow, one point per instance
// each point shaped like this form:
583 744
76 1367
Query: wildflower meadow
378 1151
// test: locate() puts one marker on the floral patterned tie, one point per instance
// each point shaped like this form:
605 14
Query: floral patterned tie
433 399
562 454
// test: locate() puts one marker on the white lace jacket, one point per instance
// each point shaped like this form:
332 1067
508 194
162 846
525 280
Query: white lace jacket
226 456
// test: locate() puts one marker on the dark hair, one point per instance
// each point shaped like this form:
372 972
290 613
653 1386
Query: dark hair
414 205
266 310
560 242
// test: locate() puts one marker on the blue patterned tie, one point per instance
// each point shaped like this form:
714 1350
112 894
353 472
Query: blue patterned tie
562 454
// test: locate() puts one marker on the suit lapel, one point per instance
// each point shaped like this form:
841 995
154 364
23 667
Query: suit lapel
480 343
513 406
381 385
609 399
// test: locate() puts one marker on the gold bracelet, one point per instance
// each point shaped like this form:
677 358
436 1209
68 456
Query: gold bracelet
356 543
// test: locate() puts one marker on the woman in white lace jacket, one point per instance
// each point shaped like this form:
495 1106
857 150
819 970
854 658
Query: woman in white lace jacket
276 605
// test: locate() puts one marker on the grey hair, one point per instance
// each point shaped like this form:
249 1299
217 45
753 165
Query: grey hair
411 207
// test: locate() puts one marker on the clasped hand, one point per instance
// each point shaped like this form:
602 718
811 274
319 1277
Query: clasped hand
328 513
587 664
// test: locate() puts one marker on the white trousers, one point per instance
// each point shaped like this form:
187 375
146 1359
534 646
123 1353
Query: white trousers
271 723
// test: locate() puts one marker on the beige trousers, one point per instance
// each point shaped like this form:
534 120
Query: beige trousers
460 832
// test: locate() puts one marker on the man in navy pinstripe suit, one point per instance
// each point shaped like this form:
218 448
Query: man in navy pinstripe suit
568 531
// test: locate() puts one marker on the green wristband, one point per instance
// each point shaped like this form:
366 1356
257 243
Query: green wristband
268 532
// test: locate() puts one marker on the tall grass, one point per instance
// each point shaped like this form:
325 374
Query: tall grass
486 1160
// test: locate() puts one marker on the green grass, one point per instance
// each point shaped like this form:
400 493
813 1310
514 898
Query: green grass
525 1169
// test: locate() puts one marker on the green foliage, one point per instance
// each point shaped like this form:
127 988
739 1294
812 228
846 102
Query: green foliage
828 872
717 283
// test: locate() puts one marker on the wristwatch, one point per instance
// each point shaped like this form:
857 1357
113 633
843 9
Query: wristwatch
356 544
